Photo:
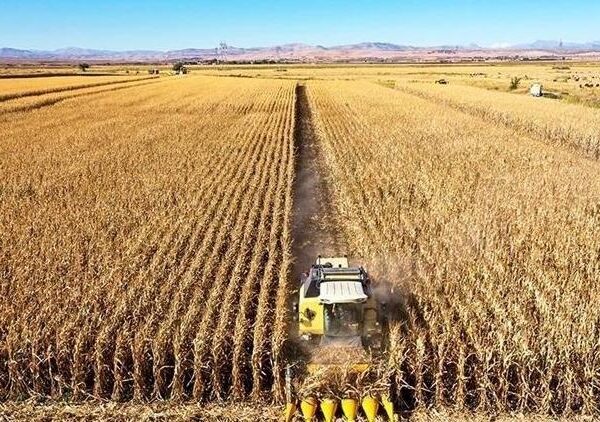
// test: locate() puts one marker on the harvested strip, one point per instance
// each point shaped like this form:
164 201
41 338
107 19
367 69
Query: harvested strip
31 87
21 104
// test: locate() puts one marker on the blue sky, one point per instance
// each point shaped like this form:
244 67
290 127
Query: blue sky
152 24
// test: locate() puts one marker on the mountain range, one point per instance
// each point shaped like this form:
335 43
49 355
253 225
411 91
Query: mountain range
305 52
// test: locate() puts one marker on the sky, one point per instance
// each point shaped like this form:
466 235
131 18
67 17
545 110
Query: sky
171 24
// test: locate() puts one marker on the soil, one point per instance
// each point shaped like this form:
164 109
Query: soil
313 226
312 221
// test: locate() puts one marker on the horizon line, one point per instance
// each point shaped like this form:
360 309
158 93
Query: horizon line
495 46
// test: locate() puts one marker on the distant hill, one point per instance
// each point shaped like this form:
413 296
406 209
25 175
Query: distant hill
306 52
560 46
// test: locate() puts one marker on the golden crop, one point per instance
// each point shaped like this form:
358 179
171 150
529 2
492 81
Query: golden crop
144 241
27 87
491 237
145 235
543 118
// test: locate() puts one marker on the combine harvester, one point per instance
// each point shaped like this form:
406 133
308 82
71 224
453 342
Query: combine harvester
341 326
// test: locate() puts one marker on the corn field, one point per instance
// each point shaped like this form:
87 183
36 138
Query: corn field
145 242
491 236
545 120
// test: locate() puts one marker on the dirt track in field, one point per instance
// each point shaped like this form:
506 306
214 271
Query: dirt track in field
312 224
312 228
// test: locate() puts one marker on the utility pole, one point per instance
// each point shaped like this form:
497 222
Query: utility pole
223 49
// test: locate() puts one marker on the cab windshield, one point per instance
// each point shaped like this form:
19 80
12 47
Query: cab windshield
342 320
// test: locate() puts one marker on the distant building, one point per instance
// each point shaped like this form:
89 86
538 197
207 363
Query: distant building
536 90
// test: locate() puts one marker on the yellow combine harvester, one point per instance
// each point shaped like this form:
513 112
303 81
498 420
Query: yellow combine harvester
337 312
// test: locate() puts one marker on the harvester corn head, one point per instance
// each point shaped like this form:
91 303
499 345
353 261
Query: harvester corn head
341 333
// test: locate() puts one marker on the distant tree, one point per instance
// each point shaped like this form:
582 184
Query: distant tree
514 83
83 66
179 67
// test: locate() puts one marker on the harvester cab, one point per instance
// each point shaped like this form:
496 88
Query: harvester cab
341 326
